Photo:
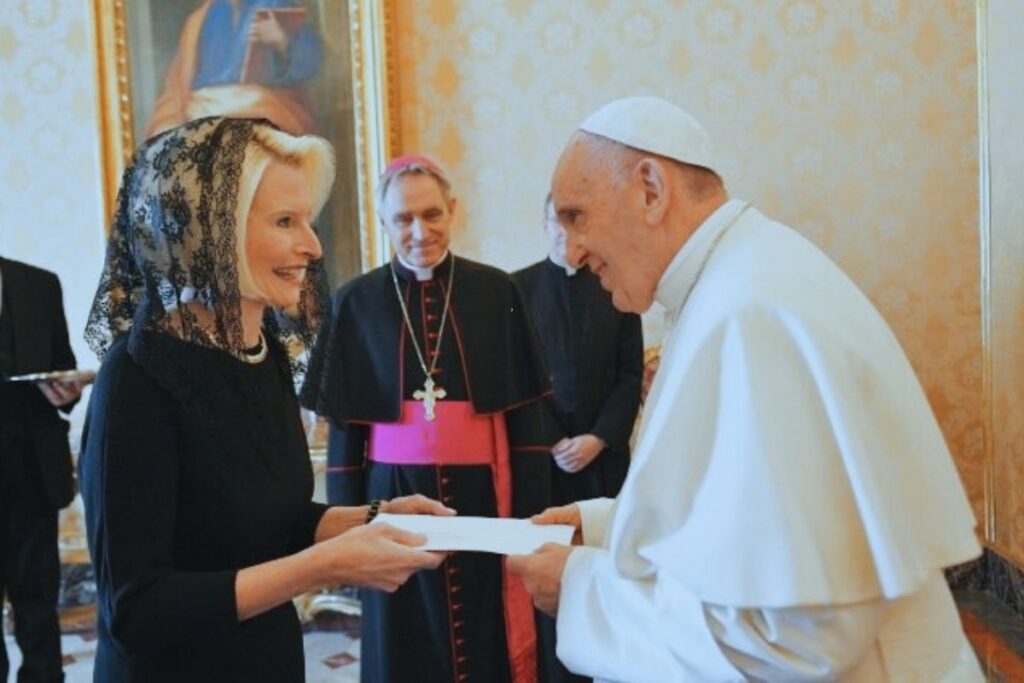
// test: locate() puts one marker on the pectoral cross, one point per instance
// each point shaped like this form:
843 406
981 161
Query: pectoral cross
429 395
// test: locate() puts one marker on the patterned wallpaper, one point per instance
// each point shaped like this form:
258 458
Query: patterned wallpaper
1005 22
50 189
855 122
50 193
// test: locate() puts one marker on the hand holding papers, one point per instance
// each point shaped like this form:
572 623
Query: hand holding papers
82 377
541 574
60 387
541 571
480 534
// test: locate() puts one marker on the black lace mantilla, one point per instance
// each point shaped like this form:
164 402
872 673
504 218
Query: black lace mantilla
172 245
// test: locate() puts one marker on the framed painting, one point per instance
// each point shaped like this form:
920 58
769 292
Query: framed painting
310 66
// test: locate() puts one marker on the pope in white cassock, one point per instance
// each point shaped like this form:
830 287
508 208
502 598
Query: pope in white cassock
791 501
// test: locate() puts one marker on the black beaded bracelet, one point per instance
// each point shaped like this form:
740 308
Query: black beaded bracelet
373 510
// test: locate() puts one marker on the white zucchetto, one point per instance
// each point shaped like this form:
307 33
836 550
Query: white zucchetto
651 124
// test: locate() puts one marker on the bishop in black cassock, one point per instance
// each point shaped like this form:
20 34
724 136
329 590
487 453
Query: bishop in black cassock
484 453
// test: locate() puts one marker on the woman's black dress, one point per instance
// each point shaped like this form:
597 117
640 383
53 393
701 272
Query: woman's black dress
194 465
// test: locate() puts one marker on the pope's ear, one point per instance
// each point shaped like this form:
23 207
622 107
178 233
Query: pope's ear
653 176
453 204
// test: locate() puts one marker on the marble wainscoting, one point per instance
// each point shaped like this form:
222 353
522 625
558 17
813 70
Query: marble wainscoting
990 594
993 574
996 632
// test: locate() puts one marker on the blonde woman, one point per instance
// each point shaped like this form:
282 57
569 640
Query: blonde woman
194 467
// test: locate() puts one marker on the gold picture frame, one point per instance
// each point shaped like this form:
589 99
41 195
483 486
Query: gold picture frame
374 105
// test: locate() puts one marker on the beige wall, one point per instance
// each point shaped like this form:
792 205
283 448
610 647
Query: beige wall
855 122
50 201
1006 295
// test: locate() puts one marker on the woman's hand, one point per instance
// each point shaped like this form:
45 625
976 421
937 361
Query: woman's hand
341 519
416 505
377 556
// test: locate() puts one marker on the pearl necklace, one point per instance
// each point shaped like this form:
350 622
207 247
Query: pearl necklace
257 356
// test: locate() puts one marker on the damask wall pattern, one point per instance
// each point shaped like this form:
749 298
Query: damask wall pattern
1005 30
50 193
855 122
51 213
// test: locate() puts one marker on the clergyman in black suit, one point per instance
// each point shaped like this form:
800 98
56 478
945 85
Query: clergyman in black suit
35 462
595 353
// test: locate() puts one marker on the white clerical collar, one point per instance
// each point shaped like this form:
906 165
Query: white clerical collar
569 270
424 273
682 273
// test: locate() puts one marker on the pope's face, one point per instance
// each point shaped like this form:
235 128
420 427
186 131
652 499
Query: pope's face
417 219
280 241
604 228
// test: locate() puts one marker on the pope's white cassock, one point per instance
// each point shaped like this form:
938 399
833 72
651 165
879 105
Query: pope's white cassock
791 502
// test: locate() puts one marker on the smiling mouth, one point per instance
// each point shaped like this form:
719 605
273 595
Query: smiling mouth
292 274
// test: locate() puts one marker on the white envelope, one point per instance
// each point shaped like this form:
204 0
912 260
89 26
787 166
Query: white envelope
480 534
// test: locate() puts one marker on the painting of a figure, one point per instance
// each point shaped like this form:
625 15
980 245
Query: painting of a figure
242 58
284 60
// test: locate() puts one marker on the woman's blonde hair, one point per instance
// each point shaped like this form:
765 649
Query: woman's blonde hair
311 153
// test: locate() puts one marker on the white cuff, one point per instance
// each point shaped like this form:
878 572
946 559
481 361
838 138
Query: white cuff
595 516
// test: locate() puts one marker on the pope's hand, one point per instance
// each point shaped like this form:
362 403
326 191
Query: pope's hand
541 573
566 514
416 505
377 556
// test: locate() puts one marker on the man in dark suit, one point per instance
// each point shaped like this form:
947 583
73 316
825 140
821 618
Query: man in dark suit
595 354
35 462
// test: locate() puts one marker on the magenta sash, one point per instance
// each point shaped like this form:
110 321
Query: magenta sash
457 436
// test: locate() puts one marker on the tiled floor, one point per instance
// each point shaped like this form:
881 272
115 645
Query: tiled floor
332 647
330 658
332 654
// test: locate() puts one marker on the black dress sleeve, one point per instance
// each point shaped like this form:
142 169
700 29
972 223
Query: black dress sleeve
305 527
614 423
130 483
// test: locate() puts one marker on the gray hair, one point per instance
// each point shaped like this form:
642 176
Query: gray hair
618 160
380 192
